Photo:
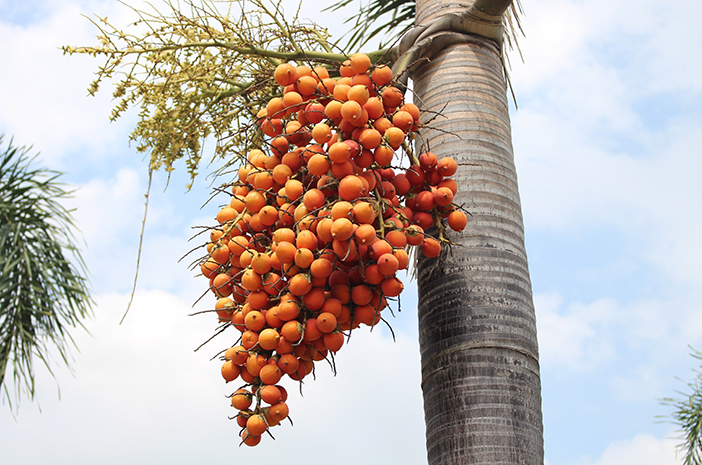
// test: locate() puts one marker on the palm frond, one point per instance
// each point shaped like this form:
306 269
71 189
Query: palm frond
687 414
396 17
43 291
393 18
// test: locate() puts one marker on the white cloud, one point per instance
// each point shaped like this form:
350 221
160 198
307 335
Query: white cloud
44 93
601 143
586 336
642 449
140 389
572 338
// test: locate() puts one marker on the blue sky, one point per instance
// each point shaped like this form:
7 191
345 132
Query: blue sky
607 143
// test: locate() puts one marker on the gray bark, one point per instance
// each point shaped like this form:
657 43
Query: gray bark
477 330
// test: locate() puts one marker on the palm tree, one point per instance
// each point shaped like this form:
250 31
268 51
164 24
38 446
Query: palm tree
477 328
43 291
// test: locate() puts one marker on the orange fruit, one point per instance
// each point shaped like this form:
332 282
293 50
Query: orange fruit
341 92
311 330
333 110
277 413
284 234
457 220
285 74
326 322
250 439
334 340
314 300
324 230
237 245
428 161
365 314
402 258
238 320
288 310
321 133
307 85
384 154
342 229
254 201
365 234
374 107
230 371
261 263
226 214
307 240
430 247
351 188
223 285
351 110
313 199
359 94
299 285
251 281
392 286
285 252
382 124
370 138
381 75
380 247
388 264
394 137
288 363
256 425
339 152
275 108
362 79
413 110
321 268
268 338
209 268
255 321
236 354
320 72
447 166
341 209
326 86
396 238
254 363
318 165
241 399
392 97
450 183
403 120
272 127
270 373
359 62
292 331
291 102
443 197
270 394
272 319
258 300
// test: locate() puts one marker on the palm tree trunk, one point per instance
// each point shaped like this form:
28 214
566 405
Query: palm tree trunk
477 330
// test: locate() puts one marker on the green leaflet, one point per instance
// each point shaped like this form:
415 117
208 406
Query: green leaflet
43 291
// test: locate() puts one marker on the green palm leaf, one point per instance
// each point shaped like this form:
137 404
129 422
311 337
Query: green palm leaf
687 414
42 288
395 17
